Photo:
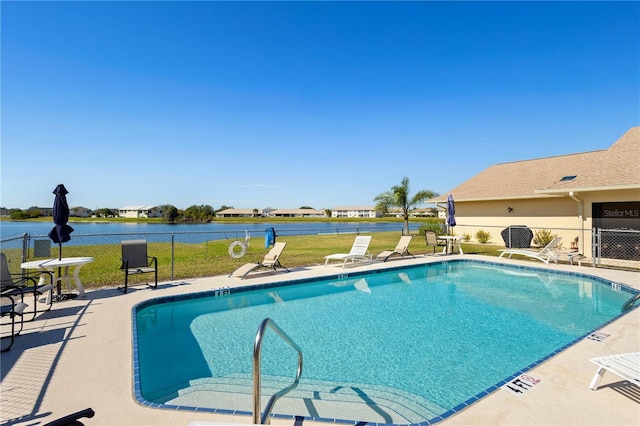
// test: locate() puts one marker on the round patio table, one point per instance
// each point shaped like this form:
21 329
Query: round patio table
451 241
49 265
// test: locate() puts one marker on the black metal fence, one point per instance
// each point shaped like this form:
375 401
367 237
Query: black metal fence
620 244
187 252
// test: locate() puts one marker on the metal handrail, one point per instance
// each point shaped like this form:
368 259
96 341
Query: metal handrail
257 347
630 303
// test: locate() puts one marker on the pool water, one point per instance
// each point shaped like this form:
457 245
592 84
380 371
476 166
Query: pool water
428 338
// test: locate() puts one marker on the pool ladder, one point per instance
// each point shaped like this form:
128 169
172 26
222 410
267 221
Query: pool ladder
630 303
257 347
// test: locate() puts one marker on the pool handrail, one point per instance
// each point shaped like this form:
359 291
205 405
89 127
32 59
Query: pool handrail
257 347
630 303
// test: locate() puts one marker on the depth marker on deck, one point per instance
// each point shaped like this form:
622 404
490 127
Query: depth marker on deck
598 336
520 384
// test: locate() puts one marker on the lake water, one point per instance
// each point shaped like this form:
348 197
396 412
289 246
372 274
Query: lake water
210 231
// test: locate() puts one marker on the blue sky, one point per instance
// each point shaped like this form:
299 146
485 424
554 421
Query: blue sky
289 104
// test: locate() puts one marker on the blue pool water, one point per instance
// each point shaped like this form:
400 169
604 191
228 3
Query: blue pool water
438 334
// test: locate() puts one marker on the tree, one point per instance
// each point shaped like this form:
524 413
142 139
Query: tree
17 214
201 213
34 212
398 196
169 212
104 212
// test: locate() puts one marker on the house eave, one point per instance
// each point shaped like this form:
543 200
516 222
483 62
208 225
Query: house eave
505 198
566 190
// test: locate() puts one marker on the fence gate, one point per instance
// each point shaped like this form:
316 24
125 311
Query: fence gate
616 247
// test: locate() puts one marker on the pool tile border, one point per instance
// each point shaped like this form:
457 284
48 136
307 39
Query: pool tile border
223 291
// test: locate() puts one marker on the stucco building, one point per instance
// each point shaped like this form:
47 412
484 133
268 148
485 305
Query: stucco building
79 211
242 213
297 213
577 192
139 211
355 211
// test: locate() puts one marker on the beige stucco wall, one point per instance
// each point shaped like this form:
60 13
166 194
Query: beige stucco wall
563 215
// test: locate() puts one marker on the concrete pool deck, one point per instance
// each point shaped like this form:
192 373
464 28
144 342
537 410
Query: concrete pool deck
79 355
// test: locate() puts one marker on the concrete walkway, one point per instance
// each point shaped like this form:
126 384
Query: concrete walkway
79 355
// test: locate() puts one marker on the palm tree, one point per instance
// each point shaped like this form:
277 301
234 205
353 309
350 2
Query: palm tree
398 196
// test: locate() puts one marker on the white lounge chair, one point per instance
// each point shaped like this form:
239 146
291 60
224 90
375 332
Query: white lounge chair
402 249
626 366
546 254
271 260
359 251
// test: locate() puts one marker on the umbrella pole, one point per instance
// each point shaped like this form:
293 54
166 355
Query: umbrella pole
59 272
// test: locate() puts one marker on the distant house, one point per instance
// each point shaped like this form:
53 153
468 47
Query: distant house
596 189
241 213
422 212
44 211
417 212
139 212
394 212
296 213
80 212
368 212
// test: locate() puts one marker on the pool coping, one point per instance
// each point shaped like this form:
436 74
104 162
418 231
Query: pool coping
78 355
223 291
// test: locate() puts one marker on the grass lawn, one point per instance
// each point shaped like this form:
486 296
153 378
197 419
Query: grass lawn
212 258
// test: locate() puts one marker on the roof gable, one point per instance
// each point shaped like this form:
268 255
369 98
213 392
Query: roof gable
240 211
137 208
616 167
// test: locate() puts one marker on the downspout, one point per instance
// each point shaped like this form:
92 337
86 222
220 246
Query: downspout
581 221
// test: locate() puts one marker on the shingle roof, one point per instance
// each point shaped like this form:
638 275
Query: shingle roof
296 211
354 208
131 208
240 211
615 168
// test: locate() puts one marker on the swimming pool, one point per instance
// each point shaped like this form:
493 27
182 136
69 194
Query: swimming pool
406 345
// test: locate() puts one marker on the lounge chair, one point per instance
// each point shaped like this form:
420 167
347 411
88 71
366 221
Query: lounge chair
136 261
359 251
271 260
18 285
546 254
402 249
431 238
626 366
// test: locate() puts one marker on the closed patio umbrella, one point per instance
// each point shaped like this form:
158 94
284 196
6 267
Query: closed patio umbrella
61 232
451 212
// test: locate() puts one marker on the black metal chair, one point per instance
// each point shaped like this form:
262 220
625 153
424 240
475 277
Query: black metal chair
10 307
135 260
19 285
